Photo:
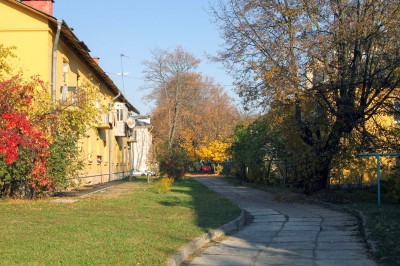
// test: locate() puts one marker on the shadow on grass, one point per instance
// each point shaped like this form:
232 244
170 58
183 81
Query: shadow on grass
210 209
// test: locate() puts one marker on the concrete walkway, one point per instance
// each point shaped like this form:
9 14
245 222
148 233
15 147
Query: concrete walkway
284 234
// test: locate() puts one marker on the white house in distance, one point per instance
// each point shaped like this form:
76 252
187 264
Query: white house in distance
142 141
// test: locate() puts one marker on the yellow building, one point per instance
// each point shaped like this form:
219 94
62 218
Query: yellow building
47 47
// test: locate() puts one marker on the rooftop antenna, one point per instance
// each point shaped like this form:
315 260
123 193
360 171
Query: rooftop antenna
122 74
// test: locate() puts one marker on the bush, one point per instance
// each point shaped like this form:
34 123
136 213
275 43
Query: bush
163 184
391 186
173 163
218 169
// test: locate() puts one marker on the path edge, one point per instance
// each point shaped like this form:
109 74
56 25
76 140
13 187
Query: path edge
184 252
362 219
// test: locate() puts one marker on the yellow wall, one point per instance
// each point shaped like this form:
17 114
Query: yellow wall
30 34
364 169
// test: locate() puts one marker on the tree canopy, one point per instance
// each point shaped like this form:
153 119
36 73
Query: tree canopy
336 62
191 110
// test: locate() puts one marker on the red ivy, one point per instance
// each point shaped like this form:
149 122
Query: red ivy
17 130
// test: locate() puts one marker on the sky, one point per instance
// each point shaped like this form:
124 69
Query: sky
134 28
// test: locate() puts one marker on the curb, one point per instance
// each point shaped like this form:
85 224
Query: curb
184 252
362 219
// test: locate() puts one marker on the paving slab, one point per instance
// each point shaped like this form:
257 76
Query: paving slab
222 260
339 262
283 233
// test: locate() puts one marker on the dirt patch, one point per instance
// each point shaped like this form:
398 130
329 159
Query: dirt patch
119 190
289 197
60 200
109 189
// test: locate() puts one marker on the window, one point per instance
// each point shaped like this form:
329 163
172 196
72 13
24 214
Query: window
89 149
72 94
65 71
120 116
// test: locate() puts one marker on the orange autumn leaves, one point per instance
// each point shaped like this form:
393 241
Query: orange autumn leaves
192 113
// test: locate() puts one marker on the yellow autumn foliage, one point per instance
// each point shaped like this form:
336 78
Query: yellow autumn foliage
215 150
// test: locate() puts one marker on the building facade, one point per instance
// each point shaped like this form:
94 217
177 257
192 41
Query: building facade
47 47
142 147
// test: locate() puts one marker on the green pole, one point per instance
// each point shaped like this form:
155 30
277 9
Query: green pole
378 157
379 180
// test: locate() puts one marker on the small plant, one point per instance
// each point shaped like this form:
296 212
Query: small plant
163 184
392 186
218 169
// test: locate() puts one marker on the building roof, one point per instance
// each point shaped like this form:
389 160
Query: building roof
80 48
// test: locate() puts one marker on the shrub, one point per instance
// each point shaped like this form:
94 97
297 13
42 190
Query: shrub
391 186
218 169
173 162
163 184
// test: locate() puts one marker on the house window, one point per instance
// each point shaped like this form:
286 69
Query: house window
65 71
90 149
396 111
120 116
72 95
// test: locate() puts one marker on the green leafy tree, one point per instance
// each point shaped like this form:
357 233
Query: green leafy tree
257 150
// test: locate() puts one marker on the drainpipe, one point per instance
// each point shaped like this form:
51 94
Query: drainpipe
54 64
110 144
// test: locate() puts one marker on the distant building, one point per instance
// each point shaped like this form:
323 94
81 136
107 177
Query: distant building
142 147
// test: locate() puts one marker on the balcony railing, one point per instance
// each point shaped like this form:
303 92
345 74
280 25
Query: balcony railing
103 122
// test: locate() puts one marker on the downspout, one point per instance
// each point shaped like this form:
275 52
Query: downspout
110 144
54 64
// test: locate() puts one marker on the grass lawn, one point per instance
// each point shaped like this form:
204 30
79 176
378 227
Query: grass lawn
134 227
384 225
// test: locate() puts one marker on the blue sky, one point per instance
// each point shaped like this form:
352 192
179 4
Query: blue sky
134 28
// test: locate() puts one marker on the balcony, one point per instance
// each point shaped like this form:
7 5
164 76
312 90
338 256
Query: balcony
103 122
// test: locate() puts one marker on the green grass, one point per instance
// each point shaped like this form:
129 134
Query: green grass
138 227
384 225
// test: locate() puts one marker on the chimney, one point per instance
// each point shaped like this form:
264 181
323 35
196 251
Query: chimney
96 59
46 6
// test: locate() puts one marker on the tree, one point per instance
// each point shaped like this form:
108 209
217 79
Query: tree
171 77
335 62
213 120
215 151
257 148
191 110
